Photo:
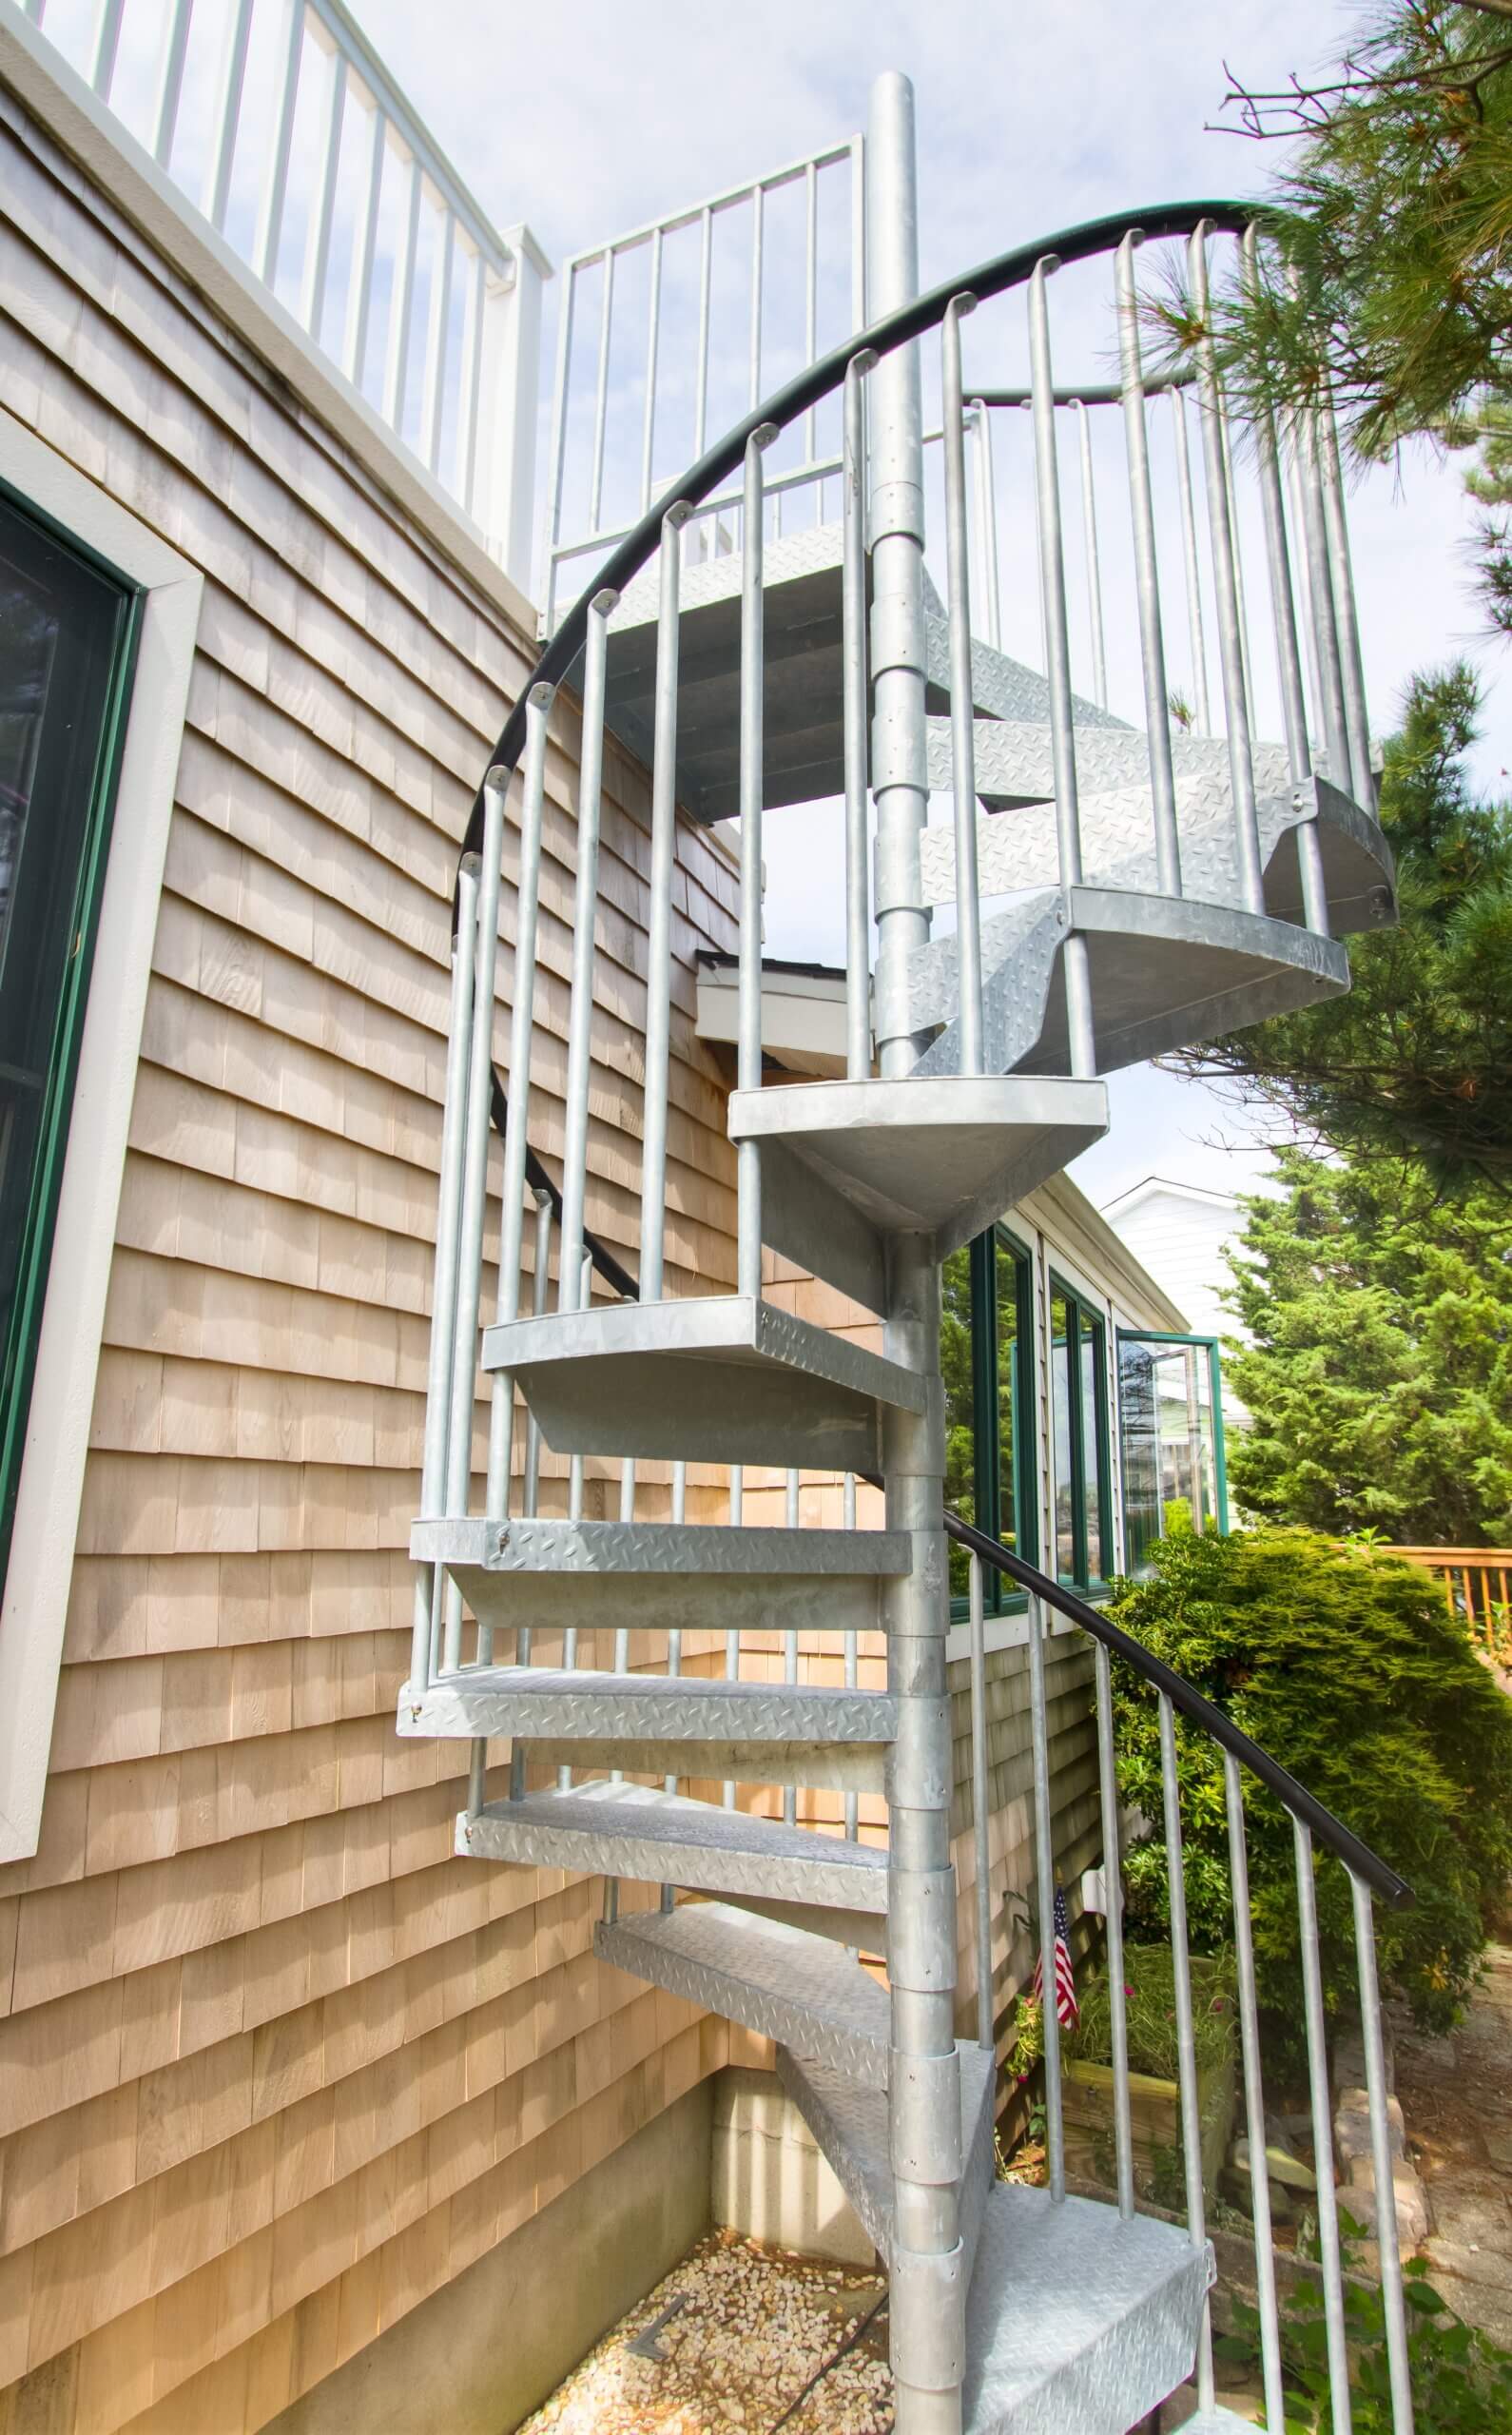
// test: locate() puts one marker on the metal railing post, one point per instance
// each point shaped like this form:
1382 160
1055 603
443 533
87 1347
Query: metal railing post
962 717
1147 581
981 1811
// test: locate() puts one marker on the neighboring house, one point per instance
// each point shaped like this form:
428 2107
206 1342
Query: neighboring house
1180 1233
306 2121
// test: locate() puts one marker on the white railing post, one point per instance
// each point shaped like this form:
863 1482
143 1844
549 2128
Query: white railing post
509 387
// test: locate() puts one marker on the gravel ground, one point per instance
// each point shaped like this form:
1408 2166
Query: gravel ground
753 2326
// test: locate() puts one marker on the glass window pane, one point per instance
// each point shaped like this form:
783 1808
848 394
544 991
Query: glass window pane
1010 1348
1138 1422
1091 1346
956 1355
1061 1410
60 622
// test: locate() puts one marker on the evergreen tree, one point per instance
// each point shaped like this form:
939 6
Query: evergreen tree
1416 1062
1379 1378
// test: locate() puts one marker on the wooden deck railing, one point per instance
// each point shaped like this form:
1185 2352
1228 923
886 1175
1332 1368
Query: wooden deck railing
1476 1588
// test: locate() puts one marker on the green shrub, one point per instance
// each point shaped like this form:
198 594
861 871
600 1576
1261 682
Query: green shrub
1150 2011
1346 1667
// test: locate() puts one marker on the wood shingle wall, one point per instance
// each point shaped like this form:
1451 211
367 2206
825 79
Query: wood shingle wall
273 2065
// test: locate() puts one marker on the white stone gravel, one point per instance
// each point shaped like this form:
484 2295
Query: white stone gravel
757 2324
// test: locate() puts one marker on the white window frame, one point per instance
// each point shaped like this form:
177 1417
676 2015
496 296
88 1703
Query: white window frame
57 1438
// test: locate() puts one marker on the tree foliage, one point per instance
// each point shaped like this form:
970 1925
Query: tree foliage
1379 1371
1415 1063
1387 290
1347 1669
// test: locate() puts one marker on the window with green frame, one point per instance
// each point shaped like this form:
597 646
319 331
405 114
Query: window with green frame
987 1354
1079 1400
1170 1438
67 633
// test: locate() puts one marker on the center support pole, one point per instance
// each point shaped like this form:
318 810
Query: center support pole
927 2289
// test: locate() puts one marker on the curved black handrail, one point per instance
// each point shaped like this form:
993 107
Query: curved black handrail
555 663
1089 237
1357 1857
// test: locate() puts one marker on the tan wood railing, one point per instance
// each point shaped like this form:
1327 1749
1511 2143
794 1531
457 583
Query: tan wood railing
1476 1588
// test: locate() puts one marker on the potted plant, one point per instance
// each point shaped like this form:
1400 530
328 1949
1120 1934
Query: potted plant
1154 2094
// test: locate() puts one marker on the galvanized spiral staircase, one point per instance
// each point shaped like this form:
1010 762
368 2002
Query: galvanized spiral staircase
1156 886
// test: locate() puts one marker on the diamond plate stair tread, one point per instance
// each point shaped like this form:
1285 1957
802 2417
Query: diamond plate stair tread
850 2124
551 1703
1077 2323
635 1831
713 1378
945 1155
778 1981
1165 971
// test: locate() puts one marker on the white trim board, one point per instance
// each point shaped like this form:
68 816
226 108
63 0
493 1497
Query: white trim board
57 1438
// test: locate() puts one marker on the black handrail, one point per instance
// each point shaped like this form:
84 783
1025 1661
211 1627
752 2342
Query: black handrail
806 389
1357 1857
784 406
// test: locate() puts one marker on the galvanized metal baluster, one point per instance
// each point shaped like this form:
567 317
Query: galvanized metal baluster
1089 523
1045 1897
752 680
575 1481
1288 661
758 234
1328 2200
1186 2040
980 1815
531 1498
927 2293
585 912
659 928
1356 718
792 1516
987 527
443 1274
853 702
1080 1031
474 1192
1386 2200
359 283
1231 487
653 337
1265 2264
706 266
737 1509
606 319
1291 463
1231 657
962 723
674 1639
170 80
1112 1898
516 1138
1197 641
558 464
1147 580
852 1659
228 110
1330 709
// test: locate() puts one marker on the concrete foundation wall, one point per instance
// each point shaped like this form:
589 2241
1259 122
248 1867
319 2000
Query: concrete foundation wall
769 2177
486 2349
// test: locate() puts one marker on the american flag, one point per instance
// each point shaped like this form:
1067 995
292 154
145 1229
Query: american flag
1067 2008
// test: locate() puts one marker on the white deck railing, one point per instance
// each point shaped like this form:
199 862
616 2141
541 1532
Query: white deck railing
280 121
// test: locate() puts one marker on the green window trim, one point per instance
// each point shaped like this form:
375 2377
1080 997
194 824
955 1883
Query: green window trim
991 1300
1086 1330
59 1066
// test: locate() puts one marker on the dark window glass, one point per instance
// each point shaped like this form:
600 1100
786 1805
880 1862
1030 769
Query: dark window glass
64 634
987 1355
1169 1440
1079 1415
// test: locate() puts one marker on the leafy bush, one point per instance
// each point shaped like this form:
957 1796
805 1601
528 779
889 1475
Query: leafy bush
1346 1667
1150 2011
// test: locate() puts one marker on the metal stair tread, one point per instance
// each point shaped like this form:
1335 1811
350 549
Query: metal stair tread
780 1981
639 1831
1076 2323
555 1703
850 2123
942 1154
727 1377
